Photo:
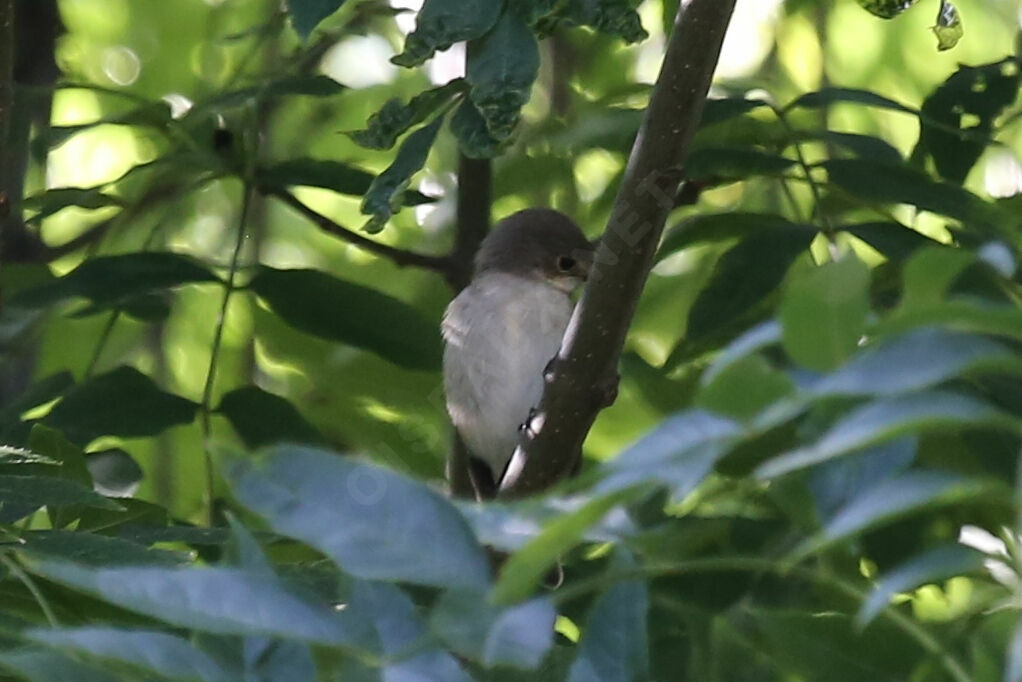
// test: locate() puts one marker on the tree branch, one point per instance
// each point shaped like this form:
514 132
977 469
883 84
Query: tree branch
400 257
586 367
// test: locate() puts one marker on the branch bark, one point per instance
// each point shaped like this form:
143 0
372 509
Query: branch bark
585 369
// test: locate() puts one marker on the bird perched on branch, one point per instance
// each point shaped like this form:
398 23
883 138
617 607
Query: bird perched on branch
504 328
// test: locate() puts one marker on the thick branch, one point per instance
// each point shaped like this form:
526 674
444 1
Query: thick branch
586 366
401 257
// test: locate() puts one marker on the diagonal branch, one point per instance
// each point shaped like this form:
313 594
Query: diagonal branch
401 257
585 369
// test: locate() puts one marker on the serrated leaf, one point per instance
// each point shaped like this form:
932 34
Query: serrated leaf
959 116
937 564
888 418
374 523
109 281
319 304
615 642
517 636
823 313
382 198
441 23
895 498
333 175
155 652
220 600
52 201
262 418
306 14
474 139
501 67
395 118
123 402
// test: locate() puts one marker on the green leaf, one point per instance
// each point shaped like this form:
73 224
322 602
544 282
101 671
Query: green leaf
893 240
720 109
501 68
154 114
524 570
717 227
374 523
220 600
114 472
896 498
929 274
615 642
306 14
1013 672
333 175
886 184
474 139
306 85
394 119
39 665
733 163
52 201
948 29
863 146
836 482
20 493
888 418
937 564
319 304
100 551
109 281
441 23
921 358
745 276
52 444
39 393
886 9
828 96
123 402
154 652
613 17
958 118
823 313
383 197
517 636
744 388
262 418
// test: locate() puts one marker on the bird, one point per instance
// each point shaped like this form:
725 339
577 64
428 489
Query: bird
504 328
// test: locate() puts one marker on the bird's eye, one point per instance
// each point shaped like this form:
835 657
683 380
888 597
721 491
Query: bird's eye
565 263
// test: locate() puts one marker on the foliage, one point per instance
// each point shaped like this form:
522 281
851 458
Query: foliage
811 471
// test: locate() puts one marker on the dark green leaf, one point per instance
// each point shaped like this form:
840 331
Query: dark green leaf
889 418
948 28
895 241
823 313
829 96
501 68
333 175
733 163
383 197
902 185
958 117
441 23
394 119
123 402
40 665
718 110
615 643
940 563
111 280
744 388
745 276
35 395
152 115
864 146
302 85
114 472
896 498
319 304
219 600
90 549
374 523
518 636
306 14
886 9
836 482
53 200
262 418
55 446
154 652
474 139
32 492
718 227
613 17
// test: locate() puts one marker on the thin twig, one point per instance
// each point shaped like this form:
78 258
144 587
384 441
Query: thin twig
400 257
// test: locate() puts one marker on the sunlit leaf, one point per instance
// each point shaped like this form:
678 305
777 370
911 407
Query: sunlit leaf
384 195
500 68
375 524
53 200
948 29
324 306
441 23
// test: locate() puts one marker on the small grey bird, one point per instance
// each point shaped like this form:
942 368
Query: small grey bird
504 328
